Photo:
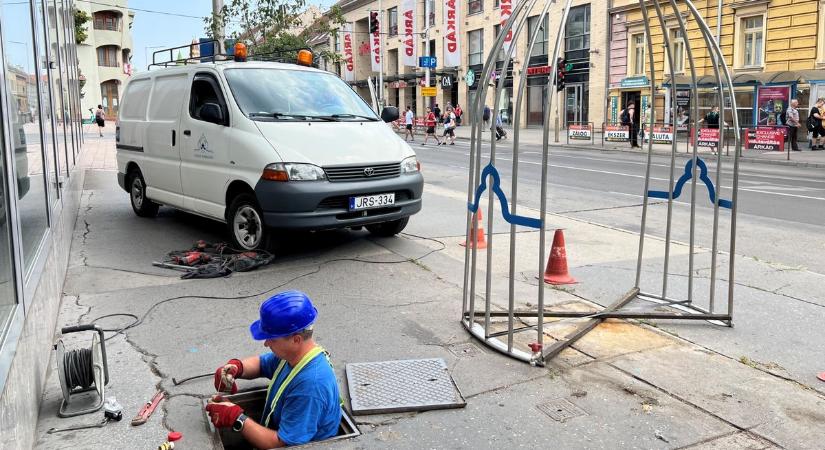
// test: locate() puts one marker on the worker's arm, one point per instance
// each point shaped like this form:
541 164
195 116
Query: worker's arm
251 367
260 436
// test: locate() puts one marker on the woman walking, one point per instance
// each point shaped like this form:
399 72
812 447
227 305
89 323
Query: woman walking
429 122
100 119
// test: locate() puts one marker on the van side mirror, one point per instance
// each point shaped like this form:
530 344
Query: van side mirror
212 112
389 114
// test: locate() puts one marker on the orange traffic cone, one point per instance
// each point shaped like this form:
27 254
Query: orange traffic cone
481 242
556 271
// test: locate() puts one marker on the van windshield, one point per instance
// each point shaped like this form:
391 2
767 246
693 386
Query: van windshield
278 94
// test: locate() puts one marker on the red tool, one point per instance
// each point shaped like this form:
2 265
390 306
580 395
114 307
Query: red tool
191 258
147 409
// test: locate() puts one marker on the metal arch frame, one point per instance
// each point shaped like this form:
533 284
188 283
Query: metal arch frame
685 309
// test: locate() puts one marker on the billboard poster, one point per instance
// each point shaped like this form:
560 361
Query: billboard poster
580 132
409 47
708 138
682 110
506 10
661 135
764 138
616 133
452 33
349 60
772 101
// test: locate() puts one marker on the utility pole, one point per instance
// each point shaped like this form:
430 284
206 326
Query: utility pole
380 59
427 42
218 31
718 21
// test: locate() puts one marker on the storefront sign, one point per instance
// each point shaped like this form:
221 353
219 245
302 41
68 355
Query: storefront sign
506 8
398 85
446 81
661 135
580 132
470 78
375 51
539 70
428 91
614 109
772 101
616 133
764 138
452 42
634 82
349 61
708 138
409 43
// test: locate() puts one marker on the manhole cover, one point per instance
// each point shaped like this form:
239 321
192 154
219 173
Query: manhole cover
560 409
396 386
465 350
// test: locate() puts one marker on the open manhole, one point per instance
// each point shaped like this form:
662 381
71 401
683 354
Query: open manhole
252 402
560 409
397 386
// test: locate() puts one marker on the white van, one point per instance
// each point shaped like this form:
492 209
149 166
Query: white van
263 146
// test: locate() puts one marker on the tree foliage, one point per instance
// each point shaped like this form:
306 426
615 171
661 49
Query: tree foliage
268 26
80 19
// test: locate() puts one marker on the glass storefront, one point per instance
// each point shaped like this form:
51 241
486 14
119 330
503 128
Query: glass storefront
39 135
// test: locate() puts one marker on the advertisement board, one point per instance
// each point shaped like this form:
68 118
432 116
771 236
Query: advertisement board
708 138
661 135
616 133
580 132
771 102
764 138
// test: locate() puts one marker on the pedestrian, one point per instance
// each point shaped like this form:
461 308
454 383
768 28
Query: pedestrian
449 126
100 119
712 118
437 111
816 124
429 122
408 121
500 133
485 116
302 403
627 120
458 114
792 121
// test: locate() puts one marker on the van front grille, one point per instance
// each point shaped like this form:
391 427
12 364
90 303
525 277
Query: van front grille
358 173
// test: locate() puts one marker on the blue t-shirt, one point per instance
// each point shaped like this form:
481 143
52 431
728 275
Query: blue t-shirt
309 408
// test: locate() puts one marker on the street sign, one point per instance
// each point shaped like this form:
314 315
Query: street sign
470 78
427 62
446 81
428 91
538 70
616 133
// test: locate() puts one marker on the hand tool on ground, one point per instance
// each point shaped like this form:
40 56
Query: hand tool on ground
147 409
177 382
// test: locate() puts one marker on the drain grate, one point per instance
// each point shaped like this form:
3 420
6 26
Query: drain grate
465 350
397 386
560 409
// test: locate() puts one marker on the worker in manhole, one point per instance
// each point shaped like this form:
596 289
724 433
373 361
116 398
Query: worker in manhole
302 402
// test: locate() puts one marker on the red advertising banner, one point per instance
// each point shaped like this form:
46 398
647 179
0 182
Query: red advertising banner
772 101
581 132
708 138
616 133
763 138
661 135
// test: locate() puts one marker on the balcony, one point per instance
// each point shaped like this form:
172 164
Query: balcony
106 37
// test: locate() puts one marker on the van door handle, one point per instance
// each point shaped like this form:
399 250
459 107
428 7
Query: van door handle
173 138
187 133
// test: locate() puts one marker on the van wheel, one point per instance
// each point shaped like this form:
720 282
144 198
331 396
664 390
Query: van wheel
388 229
246 223
141 204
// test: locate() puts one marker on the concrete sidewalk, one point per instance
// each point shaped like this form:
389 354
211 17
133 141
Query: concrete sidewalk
534 136
631 385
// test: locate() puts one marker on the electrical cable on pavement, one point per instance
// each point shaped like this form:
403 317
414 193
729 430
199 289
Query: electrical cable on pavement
139 320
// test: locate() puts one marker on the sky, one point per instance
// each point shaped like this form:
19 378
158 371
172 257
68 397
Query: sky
171 24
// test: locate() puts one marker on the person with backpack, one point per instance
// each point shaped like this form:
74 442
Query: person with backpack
429 122
100 119
485 116
627 121
816 120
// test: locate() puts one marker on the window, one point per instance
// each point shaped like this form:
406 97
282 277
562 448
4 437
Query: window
475 6
637 55
677 45
501 55
205 90
107 20
753 36
540 47
577 31
107 56
393 19
109 96
476 39
431 6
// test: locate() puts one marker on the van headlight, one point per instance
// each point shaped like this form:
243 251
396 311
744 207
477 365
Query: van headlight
293 172
410 165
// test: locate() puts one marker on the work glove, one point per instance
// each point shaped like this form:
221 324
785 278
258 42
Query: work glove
226 375
222 414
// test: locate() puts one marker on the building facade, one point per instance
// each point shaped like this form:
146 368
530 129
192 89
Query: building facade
584 46
106 54
775 49
40 139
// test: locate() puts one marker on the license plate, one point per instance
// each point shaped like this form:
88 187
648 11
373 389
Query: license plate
371 201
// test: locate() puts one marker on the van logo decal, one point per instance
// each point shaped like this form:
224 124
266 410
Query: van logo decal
202 151
369 171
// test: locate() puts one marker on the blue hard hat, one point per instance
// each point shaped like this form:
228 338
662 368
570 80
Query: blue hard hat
283 314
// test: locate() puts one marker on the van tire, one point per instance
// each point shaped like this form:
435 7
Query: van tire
141 204
388 229
245 223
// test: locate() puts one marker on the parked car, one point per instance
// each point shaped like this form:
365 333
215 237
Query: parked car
262 147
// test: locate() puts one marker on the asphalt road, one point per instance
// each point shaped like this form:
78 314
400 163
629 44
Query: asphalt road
780 215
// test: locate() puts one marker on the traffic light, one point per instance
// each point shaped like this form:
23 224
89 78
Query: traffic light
374 22
561 69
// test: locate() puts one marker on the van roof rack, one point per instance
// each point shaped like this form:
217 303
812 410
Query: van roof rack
159 60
